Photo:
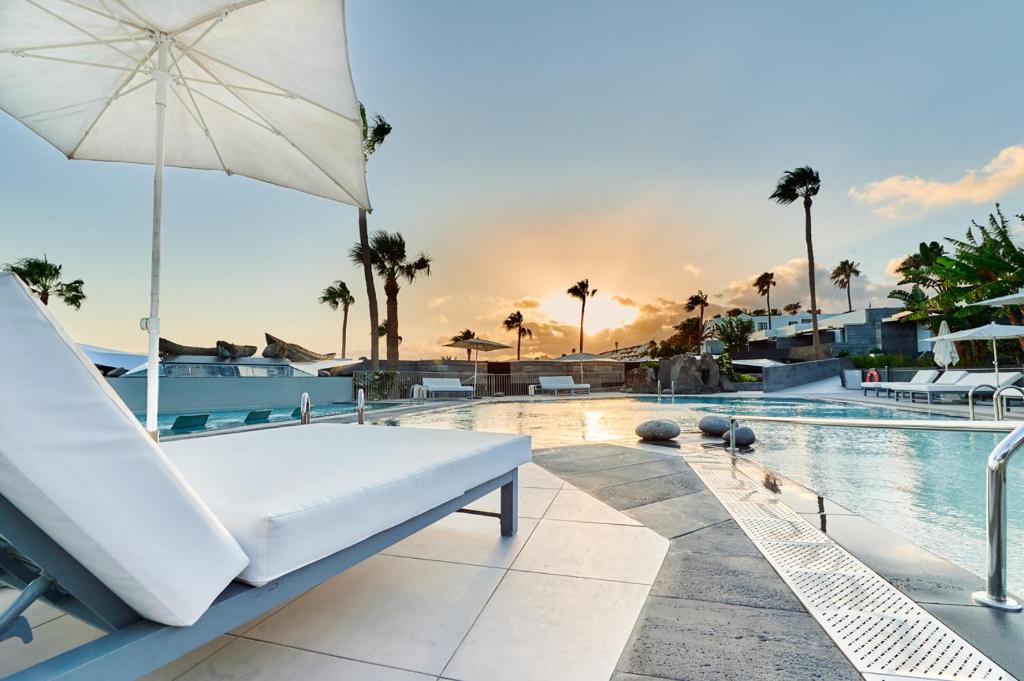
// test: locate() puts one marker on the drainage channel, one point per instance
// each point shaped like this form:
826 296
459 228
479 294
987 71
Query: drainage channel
885 634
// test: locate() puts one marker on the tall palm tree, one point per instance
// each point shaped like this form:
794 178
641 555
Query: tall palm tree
337 295
792 308
581 291
764 284
514 322
465 334
373 137
803 183
698 301
43 278
391 263
841 276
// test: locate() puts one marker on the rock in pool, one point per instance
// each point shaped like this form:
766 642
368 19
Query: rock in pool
713 424
658 430
744 436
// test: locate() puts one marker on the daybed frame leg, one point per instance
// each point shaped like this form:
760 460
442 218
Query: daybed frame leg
510 506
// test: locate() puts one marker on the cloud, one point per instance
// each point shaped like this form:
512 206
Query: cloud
624 300
438 302
898 194
890 267
791 287
693 269
526 304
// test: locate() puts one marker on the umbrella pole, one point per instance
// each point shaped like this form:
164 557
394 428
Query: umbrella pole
475 361
995 360
152 323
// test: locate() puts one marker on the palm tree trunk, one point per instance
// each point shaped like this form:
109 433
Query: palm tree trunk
469 354
44 297
583 311
344 332
849 299
700 329
810 278
391 293
371 291
519 343
768 295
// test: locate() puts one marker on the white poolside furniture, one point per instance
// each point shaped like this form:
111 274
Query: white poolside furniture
447 386
921 377
168 546
962 387
554 384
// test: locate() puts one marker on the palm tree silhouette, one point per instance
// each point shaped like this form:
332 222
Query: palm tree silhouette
337 295
43 278
391 263
792 308
514 322
803 183
841 276
373 137
465 334
581 291
764 284
698 301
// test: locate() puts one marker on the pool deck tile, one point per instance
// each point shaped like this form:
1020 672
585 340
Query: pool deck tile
681 515
668 465
640 493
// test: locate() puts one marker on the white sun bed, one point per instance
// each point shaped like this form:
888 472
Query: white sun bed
166 547
553 384
447 386
986 382
921 377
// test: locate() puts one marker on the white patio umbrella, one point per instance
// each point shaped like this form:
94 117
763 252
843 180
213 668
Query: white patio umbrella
580 357
1012 299
944 351
992 332
477 344
260 88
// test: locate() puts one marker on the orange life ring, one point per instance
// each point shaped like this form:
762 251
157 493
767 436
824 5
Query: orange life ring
872 376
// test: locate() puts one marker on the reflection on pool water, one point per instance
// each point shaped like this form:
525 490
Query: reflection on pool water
926 486
235 418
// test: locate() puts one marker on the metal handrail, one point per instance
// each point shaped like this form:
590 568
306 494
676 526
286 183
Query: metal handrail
1000 413
361 407
305 409
995 595
970 401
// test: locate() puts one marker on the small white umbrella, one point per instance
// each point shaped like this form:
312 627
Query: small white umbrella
478 344
944 351
1012 299
992 332
580 357
260 88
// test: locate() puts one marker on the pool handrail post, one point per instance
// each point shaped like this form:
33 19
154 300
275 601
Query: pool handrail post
360 407
673 390
995 595
659 387
732 434
1000 414
305 409
970 401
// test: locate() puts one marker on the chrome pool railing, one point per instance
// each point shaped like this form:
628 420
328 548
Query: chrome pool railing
1001 406
995 595
361 407
305 409
970 400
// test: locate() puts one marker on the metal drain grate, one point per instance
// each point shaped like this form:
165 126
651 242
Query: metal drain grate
886 635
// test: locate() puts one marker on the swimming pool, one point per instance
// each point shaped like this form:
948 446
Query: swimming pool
235 418
928 487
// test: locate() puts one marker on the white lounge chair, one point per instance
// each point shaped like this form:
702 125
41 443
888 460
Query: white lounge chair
921 377
553 384
963 386
447 386
168 546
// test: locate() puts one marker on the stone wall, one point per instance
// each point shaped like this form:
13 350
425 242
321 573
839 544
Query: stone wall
791 375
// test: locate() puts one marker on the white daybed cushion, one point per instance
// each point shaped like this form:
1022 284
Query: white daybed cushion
76 461
292 496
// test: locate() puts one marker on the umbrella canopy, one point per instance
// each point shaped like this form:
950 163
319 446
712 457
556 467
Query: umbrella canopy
580 357
251 87
944 351
992 332
1012 299
477 344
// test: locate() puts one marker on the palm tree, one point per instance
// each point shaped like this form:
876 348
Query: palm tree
792 308
43 278
803 183
465 334
764 284
841 276
581 291
335 295
698 301
514 322
391 263
373 137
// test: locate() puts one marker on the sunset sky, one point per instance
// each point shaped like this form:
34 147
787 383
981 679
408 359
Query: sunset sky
537 143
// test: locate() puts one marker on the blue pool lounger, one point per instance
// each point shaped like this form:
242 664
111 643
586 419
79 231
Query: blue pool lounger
166 547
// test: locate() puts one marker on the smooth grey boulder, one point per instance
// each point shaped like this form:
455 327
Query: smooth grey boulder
657 430
744 436
713 424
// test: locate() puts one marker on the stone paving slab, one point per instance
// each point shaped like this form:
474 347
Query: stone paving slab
642 492
735 580
675 517
723 539
667 465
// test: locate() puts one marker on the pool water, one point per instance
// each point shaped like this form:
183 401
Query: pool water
928 487
235 418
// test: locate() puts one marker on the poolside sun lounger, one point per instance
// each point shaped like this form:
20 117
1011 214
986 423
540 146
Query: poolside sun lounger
258 416
189 422
986 381
923 376
447 386
168 546
564 383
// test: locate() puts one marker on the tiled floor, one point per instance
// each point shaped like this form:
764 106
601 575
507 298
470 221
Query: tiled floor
455 601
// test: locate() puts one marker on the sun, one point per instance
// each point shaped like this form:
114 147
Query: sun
603 312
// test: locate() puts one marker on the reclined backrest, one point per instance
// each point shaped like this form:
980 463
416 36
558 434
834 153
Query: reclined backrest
924 376
557 381
951 377
442 383
1007 378
79 465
